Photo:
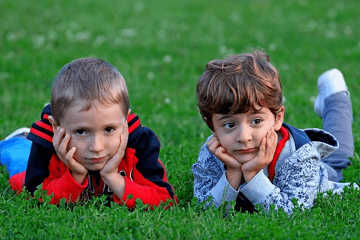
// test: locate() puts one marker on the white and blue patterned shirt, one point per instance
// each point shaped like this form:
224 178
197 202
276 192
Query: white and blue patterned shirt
299 174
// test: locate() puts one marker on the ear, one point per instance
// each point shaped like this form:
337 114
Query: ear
53 123
279 118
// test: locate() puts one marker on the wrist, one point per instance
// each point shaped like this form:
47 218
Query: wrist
79 177
108 177
234 177
248 176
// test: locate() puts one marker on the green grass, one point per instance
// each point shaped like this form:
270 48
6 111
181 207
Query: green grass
161 48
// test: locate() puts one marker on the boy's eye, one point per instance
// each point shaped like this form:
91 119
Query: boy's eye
229 125
80 132
256 121
109 129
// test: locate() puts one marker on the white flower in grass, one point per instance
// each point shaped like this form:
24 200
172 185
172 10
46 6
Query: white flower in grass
150 75
73 25
52 35
4 75
312 99
10 54
332 13
272 47
164 24
167 59
348 30
161 34
14 36
226 51
129 32
312 24
139 6
99 41
118 41
82 36
38 41
330 33
69 35
284 99
154 62
234 16
339 5
284 67
167 100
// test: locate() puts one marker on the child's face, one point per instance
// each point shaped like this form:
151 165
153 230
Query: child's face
241 134
95 133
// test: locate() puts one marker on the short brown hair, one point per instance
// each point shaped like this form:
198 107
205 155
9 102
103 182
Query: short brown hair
88 79
238 84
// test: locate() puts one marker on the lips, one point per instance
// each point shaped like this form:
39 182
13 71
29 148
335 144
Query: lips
248 150
96 159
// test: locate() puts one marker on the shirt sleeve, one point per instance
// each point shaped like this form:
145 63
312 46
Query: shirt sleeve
147 180
210 179
61 184
41 134
299 180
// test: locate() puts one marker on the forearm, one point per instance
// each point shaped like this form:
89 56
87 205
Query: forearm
148 192
64 186
116 183
234 177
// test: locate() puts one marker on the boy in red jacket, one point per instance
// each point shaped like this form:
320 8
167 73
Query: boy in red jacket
89 143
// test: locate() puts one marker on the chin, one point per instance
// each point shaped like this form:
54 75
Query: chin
95 167
245 159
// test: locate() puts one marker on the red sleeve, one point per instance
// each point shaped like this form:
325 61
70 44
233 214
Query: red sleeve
150 195
61 184
145 174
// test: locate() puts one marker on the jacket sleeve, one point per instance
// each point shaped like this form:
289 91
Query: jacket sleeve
41 134
299 178
210 179
61 184
148 180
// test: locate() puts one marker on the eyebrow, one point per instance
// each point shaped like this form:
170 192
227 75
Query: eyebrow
225 116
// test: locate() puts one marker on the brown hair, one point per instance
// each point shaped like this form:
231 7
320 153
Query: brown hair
238 84
88 79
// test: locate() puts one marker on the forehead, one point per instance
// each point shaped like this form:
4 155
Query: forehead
97 114
263 111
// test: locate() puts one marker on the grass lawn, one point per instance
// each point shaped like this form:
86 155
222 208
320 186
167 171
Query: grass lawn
161 48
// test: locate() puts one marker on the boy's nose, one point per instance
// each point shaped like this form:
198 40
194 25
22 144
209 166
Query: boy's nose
243 134
97 144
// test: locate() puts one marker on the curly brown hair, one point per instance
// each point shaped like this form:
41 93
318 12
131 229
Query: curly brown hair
238 84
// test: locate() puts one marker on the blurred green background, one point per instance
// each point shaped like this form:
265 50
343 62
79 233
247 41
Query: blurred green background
161 48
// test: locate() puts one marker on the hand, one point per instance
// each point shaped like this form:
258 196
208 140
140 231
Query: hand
61 141
111 167
233 173
220 152
263 158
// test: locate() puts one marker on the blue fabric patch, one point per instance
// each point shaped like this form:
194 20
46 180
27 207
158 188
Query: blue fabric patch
14 154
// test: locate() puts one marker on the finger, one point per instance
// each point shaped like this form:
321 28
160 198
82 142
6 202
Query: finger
124 138
262 147
123 144
64 143
211 140
213 146
271 143
70 154
226 158
58 136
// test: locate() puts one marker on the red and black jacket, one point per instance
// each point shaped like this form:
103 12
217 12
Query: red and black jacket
145 175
